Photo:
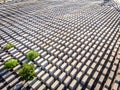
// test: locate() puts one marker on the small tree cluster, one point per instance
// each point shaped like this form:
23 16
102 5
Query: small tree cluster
11 63
31 55
27 72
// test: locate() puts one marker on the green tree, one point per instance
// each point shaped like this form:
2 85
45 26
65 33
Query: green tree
31 55
11 63
27 72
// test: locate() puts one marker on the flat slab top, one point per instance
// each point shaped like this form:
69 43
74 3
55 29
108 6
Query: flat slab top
78 41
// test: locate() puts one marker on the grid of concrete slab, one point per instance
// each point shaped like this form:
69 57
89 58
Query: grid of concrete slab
78 41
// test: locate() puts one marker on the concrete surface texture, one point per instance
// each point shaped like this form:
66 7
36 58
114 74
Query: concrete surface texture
118 1
78 41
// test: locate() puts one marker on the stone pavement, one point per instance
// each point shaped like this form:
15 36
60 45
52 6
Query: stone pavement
78 41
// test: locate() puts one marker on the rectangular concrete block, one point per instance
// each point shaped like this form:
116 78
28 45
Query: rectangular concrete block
67 80
97 87
55 85
69 60
14 82
78 66
40 74
63 66
50 81
62 76
36 85
59 63
84 68
79 75
73 84
47 68
44 64
84 79
95 74
45 77
57 73
73 73
68 69
54 60
74 63
91 82
79 57
52 70
37 70
6 75
42 87
61 87
74 55
10 78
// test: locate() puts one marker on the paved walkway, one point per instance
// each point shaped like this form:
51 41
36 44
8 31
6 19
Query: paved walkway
78 41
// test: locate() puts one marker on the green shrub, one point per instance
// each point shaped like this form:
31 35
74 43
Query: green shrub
27 72
11 63
9 46
31 55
